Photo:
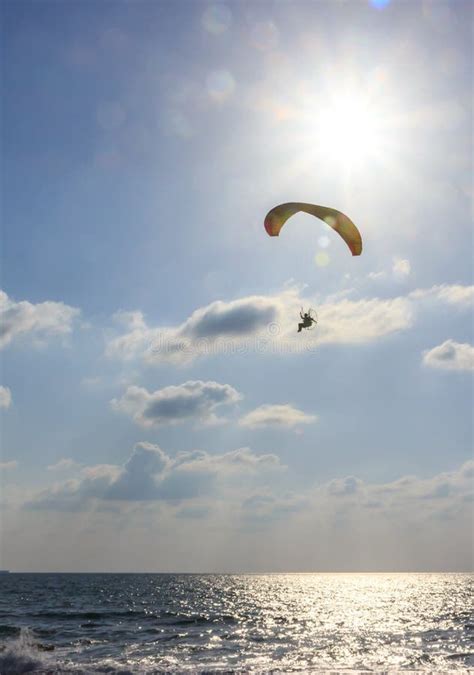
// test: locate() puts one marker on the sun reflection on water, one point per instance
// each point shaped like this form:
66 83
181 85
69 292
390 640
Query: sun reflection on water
323 621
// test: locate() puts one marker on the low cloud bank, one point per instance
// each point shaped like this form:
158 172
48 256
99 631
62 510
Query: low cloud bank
151 474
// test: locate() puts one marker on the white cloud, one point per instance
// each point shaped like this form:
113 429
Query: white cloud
244 459
450 355
260 323
45 318
151 474
452 294
403 492
276 415
429 494
193 400
366 320
376 275
231 321
65 464
197 511
239 317
401 268
5 397
350 321
344 486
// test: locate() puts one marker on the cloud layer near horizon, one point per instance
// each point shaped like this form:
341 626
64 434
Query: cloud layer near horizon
151 474
240 492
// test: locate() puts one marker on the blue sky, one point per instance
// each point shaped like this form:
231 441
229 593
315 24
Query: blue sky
154 389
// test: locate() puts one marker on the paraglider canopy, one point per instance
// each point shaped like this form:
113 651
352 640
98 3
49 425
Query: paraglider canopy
277 217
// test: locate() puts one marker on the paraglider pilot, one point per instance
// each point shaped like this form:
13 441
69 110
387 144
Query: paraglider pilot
307 321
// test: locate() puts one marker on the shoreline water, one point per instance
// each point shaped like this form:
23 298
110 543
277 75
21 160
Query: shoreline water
201 623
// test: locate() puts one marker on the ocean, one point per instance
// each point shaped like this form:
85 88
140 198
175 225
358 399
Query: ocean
204 623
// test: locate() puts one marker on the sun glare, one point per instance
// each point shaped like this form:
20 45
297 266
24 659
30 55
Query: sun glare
349 128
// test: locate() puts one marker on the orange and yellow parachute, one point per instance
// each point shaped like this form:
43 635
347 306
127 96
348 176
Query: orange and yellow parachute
277 217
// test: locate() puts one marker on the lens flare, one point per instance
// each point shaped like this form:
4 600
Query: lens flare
220 85
379 4
265 35
322 259
324 241
217 19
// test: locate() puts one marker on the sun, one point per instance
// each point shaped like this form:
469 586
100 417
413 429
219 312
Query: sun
345 128
349 129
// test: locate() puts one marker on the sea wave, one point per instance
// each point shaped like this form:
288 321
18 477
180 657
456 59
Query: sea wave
23 655
229 623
